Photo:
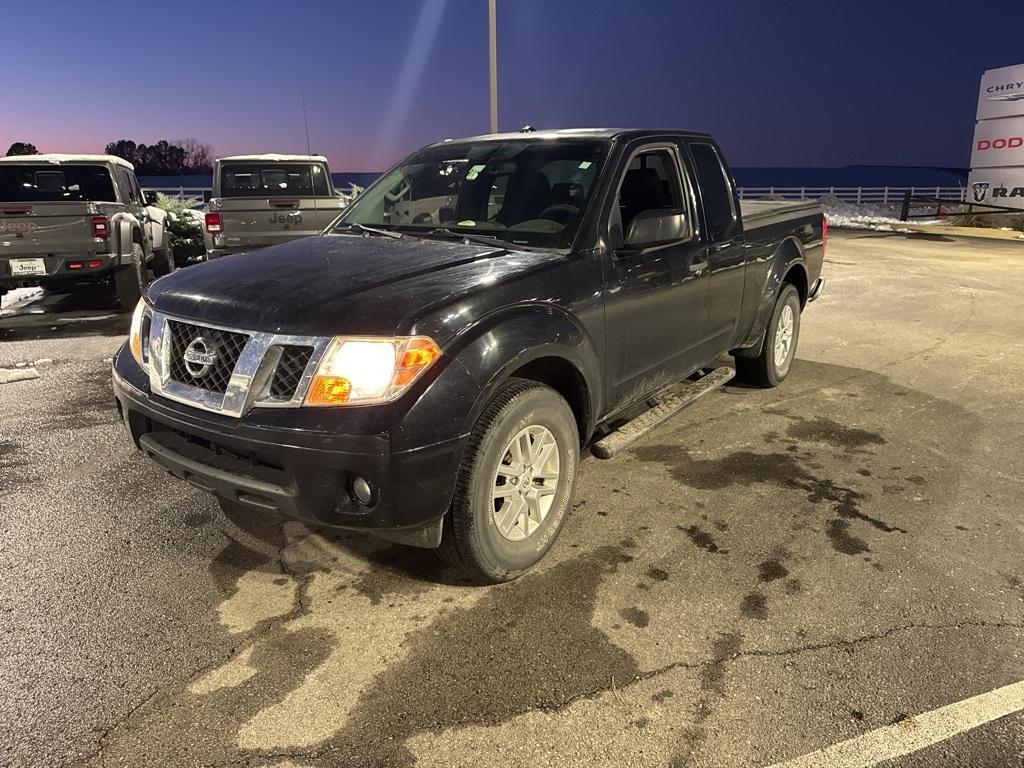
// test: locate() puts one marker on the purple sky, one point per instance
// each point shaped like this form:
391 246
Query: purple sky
780 83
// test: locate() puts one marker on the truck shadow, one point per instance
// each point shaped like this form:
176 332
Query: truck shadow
86 311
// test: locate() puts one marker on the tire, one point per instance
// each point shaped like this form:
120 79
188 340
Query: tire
130 281
768 370
476 538
163 261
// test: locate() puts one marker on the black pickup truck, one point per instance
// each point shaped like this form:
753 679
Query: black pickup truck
432 366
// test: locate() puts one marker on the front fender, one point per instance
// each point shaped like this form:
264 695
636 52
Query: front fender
494 348
789 253
124 226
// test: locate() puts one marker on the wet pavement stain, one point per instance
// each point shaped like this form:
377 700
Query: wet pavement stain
771 570
396 571
484 665
824 430
502 656
196 519
784 470
755 606
701 539
11 463
636 616
92 404
181 728
843 541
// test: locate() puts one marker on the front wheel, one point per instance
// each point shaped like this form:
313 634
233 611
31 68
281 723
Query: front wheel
163 261
770 368
130 279
515 484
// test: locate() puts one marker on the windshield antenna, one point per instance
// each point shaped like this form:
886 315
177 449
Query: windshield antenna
309 148
305 118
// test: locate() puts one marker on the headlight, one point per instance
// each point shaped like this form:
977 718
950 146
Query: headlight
137 337
363 371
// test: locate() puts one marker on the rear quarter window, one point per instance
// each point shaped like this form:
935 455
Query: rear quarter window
45 183
715 189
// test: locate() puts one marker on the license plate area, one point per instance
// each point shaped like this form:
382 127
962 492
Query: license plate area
28 267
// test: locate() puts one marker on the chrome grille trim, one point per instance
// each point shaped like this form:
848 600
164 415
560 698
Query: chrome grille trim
249 385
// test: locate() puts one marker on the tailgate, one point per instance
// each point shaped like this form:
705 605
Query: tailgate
258 222
34 229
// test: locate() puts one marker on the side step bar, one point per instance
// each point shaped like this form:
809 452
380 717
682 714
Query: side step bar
630 432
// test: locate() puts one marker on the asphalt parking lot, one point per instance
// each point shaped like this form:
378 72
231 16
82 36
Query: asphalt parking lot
770 573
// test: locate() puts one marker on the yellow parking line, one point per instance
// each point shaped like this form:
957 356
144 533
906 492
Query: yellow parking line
914 733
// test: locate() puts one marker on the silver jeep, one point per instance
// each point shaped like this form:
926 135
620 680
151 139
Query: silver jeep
72 219
262 200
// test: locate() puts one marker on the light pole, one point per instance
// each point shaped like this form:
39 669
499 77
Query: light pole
492 24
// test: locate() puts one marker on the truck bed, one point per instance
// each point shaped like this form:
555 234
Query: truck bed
763 213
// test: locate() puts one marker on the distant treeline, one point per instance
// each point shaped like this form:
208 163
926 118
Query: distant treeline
182 157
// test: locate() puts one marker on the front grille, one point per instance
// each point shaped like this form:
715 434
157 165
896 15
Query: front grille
227 345
292 365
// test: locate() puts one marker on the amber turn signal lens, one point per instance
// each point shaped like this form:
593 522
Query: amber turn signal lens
329 390
420 353
135 334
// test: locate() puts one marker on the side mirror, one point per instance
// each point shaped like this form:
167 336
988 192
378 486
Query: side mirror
150 197
207 195
654 227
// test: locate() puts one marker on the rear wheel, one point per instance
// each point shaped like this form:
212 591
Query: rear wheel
515 484
130 279
770 368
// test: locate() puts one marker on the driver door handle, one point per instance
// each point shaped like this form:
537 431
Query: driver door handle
719 247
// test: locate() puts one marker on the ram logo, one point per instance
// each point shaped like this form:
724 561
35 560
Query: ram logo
980 190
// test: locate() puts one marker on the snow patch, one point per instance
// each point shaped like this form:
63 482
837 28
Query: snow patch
19 296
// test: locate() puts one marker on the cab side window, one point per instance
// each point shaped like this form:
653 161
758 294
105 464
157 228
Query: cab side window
124 186
651 182
715 189
136 190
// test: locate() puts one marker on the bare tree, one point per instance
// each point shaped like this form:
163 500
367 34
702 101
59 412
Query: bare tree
198 156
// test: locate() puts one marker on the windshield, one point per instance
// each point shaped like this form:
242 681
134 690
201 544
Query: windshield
272 180
528 192
50 183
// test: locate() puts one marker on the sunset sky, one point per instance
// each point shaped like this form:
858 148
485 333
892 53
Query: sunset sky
779 83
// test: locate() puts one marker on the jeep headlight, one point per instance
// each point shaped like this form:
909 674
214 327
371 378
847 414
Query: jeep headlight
359 370
138 340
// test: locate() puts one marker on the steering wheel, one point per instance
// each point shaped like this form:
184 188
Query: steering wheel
398 192
560 212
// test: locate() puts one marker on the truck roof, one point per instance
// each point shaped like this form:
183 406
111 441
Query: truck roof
573 133
274 158
57 159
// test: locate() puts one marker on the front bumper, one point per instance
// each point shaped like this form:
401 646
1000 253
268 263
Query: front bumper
300 473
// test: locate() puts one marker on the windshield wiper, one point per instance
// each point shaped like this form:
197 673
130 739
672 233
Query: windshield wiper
472 238
369 230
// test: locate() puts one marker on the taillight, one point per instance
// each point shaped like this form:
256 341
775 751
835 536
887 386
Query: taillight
100 227
824 235
213 222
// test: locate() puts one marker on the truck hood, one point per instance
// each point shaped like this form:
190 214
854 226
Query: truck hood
335 284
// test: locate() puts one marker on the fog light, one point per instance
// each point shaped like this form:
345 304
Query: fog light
362 490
